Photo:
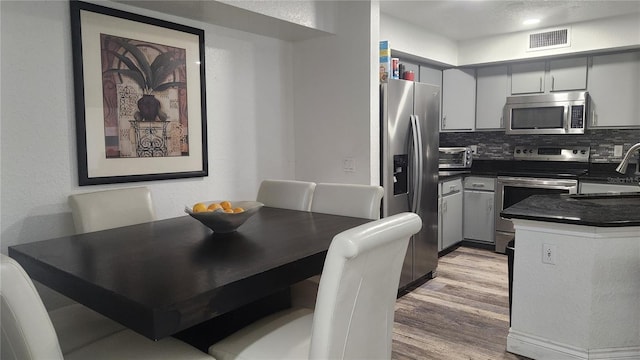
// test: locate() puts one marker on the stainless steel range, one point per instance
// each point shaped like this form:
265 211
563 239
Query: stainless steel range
539 170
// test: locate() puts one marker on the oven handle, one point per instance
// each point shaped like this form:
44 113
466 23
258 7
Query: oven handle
537 182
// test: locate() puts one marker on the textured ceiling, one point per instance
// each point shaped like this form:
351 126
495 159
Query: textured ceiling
468 19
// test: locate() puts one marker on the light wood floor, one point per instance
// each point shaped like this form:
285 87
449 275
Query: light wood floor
463 313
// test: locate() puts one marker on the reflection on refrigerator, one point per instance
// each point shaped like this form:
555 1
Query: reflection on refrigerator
409 113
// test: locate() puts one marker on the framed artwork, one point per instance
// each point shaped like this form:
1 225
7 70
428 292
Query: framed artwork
139 97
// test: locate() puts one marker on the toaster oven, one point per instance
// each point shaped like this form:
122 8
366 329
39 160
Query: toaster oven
455 157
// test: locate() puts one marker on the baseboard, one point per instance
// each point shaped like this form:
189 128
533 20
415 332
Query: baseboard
627 353
538 348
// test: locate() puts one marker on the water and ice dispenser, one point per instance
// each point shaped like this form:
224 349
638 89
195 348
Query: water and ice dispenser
400 176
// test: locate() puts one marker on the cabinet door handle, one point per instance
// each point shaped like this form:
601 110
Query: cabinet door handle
444 121
444 206
541 84
553 83
478 185
594 118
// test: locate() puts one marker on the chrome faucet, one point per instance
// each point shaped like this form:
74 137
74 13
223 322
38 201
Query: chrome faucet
622 168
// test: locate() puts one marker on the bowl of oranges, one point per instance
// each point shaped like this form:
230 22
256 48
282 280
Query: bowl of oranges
223 216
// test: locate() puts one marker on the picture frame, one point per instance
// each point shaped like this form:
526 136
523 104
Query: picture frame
140 99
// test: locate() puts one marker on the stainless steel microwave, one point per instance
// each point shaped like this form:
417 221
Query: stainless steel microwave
557 113
455 157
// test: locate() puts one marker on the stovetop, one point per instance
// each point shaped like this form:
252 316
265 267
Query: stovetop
542 162
552 153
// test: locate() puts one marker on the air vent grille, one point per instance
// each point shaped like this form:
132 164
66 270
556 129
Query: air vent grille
549 39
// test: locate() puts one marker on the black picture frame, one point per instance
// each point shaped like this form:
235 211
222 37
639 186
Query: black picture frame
118 59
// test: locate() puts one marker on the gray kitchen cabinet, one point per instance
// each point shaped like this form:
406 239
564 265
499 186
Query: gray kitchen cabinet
527 78
595 187
458 100
479 209
450 213
614 89
430 75
568 74
492 89
548 76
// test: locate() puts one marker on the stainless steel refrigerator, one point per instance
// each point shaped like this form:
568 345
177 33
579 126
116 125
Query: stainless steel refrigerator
409 113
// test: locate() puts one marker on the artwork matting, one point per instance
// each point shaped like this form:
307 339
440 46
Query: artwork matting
139 97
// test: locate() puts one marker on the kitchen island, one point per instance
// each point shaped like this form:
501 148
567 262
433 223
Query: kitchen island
576 285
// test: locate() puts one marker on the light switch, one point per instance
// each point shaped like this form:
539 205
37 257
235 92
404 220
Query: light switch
349 165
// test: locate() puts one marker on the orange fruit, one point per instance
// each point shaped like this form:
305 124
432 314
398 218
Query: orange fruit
226 205
199 207
230 211
238 210
214 207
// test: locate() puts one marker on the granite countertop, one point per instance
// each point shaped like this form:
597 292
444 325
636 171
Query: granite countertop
601 210
597 172
452 174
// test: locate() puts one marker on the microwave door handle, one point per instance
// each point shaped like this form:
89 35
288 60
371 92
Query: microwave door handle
417 163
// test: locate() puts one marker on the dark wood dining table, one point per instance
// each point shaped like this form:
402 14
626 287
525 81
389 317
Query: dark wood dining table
165 276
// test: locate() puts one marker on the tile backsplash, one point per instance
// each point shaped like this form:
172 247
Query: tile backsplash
496 145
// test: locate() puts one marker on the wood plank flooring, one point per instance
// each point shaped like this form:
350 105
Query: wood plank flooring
463 313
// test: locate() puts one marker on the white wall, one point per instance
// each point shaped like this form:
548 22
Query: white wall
585 306
614 33
312 14
249 110
414 40
605 34
336 111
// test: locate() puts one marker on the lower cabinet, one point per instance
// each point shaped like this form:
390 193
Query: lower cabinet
594 187
450 213
479 209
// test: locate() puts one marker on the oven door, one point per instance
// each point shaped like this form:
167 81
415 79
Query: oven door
510 190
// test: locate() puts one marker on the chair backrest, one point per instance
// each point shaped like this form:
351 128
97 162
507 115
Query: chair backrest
27 331
108 209
353 318
286 194
361 201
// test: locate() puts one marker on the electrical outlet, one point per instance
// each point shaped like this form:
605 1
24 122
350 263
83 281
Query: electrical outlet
617 150
549 254
474 149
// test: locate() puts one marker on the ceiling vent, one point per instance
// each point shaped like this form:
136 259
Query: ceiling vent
549 39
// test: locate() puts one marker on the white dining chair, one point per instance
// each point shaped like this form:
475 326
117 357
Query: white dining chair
286 194
354 200
27 331
354 314
75 324
106 209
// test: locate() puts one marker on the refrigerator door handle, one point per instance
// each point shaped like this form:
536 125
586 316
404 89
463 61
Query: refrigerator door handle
417 163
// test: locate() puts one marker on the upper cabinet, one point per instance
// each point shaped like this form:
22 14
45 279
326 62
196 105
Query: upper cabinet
549 76
492 89
527 78
568 74
458 100
614 88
